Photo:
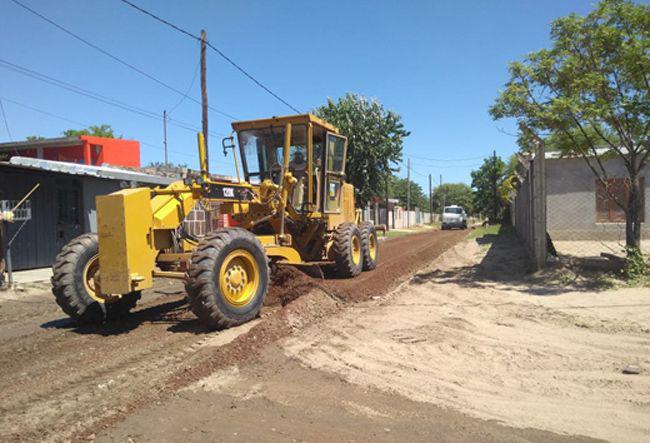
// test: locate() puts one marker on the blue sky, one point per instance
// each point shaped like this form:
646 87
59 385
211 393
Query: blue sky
439 64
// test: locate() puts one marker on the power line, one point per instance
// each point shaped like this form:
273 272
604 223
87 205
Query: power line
214 48
4 116
74 122
81 124
117 59
96 96
189 88
447 159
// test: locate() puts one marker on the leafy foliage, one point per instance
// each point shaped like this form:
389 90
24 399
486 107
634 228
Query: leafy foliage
375 139
588 94
487 182
635 264
398 188
453 194
94 130
33 138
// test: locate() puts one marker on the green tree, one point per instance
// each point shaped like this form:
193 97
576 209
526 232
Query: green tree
94 130
487 181
375 138
588 95
33 138
453 194
398 188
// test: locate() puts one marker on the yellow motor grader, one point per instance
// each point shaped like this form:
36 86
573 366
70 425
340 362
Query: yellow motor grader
292 208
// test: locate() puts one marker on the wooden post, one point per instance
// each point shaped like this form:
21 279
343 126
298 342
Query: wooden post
165 136
495 196
387 218
408 193
430 202
442 199
204 96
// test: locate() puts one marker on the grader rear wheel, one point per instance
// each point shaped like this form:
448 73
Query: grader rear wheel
228 278
369 246
347 250
76 284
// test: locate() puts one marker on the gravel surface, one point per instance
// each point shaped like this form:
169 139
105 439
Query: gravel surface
61 380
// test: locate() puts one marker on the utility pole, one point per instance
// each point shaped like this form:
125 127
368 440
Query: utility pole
408 193
495 205
442 199
387 218
165 136
204 94
430 201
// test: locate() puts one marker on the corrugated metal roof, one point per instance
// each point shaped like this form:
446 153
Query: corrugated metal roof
86 170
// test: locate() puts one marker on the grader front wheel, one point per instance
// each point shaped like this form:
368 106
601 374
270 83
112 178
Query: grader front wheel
347 250
76 284
228 278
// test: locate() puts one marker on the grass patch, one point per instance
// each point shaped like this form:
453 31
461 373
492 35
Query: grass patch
404 232
483 231
395 234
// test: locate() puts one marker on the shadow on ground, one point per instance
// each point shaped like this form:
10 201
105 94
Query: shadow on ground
506 262
173 312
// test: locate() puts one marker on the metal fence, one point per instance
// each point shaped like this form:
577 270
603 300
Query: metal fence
396 218
559 207
204 219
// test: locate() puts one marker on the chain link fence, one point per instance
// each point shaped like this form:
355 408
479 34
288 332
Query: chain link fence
561 208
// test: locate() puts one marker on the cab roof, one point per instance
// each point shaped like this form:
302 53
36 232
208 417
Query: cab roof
281 121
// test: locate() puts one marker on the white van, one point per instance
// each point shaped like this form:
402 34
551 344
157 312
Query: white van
454 217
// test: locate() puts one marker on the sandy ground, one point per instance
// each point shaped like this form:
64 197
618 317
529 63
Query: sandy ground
61 380
277 399
428 347
593 248
466 334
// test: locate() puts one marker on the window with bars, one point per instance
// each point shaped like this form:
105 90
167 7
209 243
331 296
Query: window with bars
607 208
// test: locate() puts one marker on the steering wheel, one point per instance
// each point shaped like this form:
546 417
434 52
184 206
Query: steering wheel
276 172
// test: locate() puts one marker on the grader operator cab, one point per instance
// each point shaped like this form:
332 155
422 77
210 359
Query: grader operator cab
293 208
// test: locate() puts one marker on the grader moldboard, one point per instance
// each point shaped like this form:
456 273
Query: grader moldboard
293 208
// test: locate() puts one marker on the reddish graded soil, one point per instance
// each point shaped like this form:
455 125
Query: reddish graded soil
62 380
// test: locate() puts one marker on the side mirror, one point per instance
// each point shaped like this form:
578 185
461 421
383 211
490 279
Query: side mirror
227 143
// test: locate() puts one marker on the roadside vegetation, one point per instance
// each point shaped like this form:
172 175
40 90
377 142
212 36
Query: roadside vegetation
588 96
484 230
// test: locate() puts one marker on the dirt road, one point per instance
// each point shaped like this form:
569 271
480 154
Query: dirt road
60 380
473 334
468 349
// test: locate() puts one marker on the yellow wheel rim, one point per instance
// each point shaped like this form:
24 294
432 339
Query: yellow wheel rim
372 246
239 277
356 249
91 279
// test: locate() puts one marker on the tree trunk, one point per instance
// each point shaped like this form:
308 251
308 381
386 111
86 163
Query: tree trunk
633 214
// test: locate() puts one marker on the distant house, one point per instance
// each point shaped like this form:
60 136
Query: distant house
577 206
83 149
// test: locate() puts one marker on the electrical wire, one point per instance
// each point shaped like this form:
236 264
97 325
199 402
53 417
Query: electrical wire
214 48
189 88
99 97
81 124
447 159
4 116
117 59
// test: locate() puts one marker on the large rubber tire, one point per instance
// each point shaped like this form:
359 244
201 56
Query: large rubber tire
204 286
343 253
369 246
70 291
